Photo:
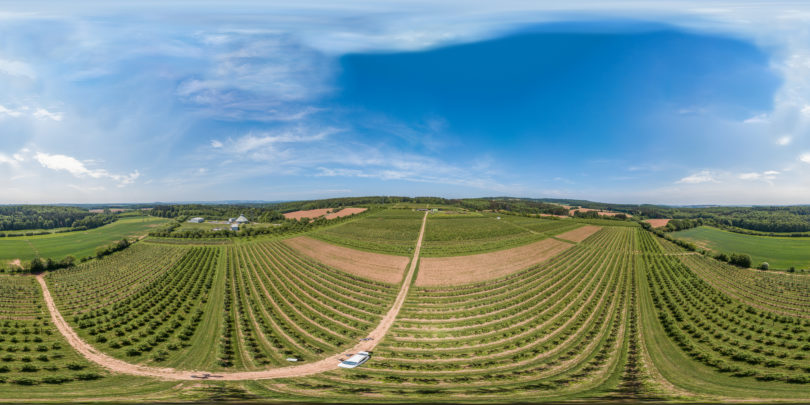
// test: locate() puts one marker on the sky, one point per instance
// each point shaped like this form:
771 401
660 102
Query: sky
669 102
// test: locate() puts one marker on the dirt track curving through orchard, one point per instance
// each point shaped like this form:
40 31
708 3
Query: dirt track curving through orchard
330 363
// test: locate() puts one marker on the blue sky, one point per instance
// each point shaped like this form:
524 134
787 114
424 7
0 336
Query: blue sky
683 103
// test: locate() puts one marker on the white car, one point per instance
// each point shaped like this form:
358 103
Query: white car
355 360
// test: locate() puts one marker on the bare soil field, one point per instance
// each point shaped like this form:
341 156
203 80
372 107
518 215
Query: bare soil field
15 263
345 212
580 234
657 223
330 213
376 266
472 268
308 213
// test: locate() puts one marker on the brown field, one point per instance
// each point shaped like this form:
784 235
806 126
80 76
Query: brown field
328 212
15 263
657 223
312 214
579 234
486 266
376 266
345 212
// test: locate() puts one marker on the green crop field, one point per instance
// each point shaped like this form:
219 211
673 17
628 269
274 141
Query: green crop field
779 252
391 231
453 235
78 244
35 359
621 315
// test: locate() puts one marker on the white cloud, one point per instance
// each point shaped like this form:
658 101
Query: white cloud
806 110
11 161
9 112
758 119
805 157
79 169
264 142
39 113
43 114
16 68
704 176
766 175
216 144
784 140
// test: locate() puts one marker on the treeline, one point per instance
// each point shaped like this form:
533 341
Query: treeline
183 212
736 259
519 206
286 227
682 224
112 248
356 201
20 217
39 264
271 212
595 215
785 220
768 219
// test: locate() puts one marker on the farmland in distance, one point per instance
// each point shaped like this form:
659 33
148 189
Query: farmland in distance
607 312
77 243
779 252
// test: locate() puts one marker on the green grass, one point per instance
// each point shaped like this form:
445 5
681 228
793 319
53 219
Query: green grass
78 244
779 252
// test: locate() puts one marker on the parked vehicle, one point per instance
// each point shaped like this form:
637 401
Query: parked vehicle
356 360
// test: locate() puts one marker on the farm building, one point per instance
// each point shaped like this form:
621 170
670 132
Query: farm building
242 220
196 220
234 227
231 220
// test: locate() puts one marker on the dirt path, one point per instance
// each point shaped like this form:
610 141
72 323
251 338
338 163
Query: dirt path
330 363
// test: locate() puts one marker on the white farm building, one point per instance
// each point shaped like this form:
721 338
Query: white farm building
241 220
196 220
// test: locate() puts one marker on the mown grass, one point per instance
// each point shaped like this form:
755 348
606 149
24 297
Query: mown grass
779 252
78 244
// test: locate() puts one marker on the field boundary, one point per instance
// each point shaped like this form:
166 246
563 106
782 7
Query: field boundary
327 364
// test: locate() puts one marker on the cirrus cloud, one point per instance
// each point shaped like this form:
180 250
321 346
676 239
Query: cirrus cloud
704 176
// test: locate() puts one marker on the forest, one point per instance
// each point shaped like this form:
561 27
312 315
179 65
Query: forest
24 217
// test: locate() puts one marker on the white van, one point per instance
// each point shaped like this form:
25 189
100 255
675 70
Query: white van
355 360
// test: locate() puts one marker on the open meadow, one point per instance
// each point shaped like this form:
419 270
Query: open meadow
78 244
779 252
